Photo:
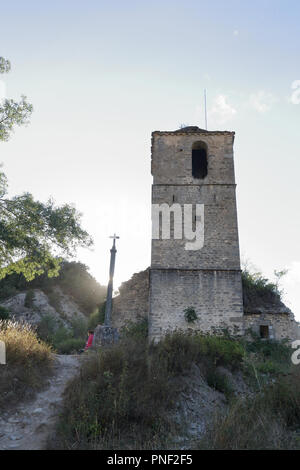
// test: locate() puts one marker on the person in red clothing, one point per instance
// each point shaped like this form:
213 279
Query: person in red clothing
89 342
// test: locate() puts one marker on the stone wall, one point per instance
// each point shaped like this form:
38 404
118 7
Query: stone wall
281 325
132 303
216 297
221 244
172 162
213 306
208 279
173 183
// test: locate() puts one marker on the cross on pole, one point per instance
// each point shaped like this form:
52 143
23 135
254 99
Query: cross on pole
108 307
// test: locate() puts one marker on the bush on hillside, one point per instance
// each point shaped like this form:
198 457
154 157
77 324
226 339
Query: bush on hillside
269 420
74 280
258 284
28 362
138 329
123 395
4 313
63 340
265 358
29 299
70 345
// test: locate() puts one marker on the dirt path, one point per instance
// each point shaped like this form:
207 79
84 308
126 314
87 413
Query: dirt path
29 426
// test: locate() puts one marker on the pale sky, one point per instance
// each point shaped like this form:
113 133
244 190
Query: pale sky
103 75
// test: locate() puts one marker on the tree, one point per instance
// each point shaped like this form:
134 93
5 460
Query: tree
12 112
33 235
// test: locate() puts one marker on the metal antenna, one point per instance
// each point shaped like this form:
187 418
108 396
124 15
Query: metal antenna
205 109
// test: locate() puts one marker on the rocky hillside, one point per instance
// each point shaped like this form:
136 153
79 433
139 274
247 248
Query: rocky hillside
62 308
73 280
187 391
58 308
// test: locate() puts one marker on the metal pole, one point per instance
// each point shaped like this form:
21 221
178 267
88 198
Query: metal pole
205 110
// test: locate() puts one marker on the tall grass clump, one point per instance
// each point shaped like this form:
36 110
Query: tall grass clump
267 420
264 360
28 362
63 340
125 394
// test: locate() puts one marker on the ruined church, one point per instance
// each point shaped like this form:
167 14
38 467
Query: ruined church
194 184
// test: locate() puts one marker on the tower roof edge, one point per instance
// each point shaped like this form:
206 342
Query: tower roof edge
192 130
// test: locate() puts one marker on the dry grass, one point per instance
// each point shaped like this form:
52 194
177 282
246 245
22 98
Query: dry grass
28 363
268 420
125 395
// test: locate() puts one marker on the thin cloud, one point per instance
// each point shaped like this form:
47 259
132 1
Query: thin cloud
262 101
221 111
295 96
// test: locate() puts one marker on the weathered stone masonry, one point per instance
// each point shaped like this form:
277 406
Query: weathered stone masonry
208 279
133 302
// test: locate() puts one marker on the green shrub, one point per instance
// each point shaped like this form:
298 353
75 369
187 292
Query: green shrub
55 301
180 349
265 358
29 299
268 367
61 334
70 345
279 351
138 329
4 313
79 327
63 340
256 283
46 328
190 315
7 291
220 382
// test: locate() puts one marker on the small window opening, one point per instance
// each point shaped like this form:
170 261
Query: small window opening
264 331
199 160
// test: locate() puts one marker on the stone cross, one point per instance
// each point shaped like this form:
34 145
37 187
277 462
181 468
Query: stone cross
108 307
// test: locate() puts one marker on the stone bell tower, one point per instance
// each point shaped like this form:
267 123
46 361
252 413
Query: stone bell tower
193 176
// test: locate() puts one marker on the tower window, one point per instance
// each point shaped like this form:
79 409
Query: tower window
264 331
199 160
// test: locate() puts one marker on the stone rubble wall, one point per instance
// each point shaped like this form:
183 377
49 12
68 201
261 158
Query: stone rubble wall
132 304
281 325
177 290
